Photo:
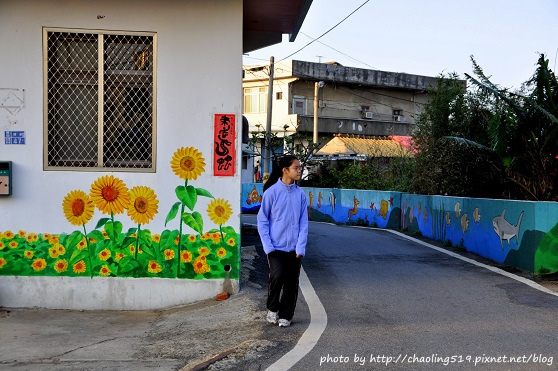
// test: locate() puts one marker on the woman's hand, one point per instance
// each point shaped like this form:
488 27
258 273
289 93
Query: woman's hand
298 256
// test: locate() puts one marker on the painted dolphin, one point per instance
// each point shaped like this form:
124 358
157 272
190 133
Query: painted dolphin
332 201
505 230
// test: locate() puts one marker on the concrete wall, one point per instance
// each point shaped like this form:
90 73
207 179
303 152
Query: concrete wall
199 62
522 234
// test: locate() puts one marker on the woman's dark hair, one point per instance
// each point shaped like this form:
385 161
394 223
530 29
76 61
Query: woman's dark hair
277 169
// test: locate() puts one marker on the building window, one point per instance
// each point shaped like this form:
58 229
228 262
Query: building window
255 100
99 100
279 95
298 106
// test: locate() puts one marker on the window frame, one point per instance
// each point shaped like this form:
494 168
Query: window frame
100 104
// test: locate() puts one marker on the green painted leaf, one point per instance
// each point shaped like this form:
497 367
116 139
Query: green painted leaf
73 239
172 212
96 235
149 252
193 197
203 192
191 222
229 231
102 222
199 219
79 255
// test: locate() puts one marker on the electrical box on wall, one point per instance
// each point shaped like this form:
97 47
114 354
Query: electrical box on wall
5 178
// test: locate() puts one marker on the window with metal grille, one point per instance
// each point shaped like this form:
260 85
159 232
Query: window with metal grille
99 100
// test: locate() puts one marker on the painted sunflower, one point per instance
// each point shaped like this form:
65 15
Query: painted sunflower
104 271
221 253
200 266
154 267
61 265
28 254
188 163
185 256
39 264
169 254
80 267
110 195
78 208
104 255
3 262
143 204
219 211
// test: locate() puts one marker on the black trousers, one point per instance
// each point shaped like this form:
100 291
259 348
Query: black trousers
282 293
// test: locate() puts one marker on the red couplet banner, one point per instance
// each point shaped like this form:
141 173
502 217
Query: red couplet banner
224 144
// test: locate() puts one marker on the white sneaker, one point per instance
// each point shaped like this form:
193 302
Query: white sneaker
271 317
284 323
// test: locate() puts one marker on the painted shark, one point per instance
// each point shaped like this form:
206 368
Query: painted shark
505 230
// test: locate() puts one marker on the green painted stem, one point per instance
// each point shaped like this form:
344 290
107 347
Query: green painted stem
137 241
88 249
180 235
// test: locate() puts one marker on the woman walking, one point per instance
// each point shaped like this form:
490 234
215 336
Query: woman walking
283 229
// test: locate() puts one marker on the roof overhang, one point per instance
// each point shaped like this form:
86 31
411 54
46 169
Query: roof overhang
265 22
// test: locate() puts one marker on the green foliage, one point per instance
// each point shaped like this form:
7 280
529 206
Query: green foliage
452 141
396 175
524 132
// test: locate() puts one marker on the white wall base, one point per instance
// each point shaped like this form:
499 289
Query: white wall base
100 293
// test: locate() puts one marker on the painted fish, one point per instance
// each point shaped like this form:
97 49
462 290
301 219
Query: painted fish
311 197
320 197
411 215
464 223
418 208
476 215
383 209
457 210
505 230
424 216
448 220
253 196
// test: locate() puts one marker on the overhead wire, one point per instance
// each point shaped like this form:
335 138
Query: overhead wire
338 51
325 33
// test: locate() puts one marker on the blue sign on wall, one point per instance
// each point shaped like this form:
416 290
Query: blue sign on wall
14 137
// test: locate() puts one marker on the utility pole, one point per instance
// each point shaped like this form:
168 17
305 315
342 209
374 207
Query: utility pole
267 146
317 86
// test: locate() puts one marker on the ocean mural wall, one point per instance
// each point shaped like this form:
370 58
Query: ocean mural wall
522 234
187 250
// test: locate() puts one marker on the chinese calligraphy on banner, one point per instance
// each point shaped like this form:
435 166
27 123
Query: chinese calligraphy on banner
224 139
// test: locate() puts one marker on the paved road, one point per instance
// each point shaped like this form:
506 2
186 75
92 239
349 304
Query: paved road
389 299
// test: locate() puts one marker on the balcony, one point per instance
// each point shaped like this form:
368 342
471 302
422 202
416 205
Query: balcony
379 125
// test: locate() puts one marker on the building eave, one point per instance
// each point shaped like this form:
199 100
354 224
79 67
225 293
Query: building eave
265 22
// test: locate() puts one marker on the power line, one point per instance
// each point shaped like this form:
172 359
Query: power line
325 33
338 51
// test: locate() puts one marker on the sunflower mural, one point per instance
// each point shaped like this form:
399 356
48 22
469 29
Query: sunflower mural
189 251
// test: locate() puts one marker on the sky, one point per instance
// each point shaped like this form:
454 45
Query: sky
428 37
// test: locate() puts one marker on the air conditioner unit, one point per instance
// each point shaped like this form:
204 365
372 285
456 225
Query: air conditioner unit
367 114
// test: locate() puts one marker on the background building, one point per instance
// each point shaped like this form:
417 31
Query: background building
351 101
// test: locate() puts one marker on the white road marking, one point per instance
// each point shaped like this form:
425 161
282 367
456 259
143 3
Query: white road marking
490 268
318 323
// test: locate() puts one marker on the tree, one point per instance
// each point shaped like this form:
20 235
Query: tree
296 144
524 132
451 136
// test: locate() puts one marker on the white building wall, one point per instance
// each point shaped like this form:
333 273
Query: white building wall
199 74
